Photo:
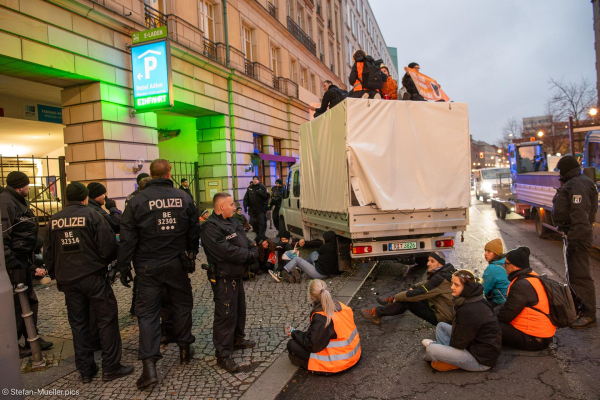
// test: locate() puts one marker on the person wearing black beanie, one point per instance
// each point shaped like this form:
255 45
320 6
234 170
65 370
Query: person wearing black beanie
523 327
98 198
20 231
78 245
137 189
574 212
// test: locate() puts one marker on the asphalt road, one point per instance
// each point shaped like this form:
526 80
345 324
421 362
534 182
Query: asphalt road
392 365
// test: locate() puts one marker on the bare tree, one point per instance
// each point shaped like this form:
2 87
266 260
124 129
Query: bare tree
512 129
571 99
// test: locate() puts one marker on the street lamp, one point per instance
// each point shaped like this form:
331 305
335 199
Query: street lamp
499 151
593 111
540 133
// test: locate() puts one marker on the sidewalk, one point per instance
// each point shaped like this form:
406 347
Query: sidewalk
271 307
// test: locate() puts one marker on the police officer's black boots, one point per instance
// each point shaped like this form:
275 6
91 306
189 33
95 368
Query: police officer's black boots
149 376
227 363
186 352
123 370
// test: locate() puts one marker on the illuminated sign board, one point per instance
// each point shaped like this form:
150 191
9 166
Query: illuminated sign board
151 68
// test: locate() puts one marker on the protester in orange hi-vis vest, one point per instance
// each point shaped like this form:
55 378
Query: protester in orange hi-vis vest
390 86
331 343
523 318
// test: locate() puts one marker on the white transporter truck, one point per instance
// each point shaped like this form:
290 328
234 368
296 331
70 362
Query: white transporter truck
390 178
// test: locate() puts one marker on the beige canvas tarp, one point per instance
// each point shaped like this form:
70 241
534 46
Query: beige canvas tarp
397 155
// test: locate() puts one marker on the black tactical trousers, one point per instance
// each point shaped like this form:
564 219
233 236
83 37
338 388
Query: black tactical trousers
259 223
230 315
22 275
516 339
420 308
580 279
93 295
151 280
276 217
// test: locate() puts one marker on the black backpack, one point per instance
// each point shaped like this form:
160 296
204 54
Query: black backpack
339 96
372 77
562 308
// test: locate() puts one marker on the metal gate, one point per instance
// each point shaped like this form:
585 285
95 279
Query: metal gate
48 182
189 171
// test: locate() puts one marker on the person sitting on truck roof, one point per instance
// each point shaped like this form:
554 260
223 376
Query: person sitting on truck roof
319 265
430 300
390 86
412 93
495 278
356 77
332 97
524 327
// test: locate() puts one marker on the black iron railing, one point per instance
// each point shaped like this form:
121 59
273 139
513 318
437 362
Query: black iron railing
249 68
154 18
209 49
322 58
319 9
272 9
275 82
329 24
301 36
331 67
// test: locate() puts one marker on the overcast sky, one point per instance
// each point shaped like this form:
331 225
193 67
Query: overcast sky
495 55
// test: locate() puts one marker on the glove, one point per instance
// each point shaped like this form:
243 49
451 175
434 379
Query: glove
109 203
125 274
188 259
253 254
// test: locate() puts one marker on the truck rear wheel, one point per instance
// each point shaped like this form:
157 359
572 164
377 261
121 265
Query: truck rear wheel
540 229
497 208
501 211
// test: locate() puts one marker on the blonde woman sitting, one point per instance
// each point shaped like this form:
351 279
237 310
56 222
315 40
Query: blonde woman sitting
331 344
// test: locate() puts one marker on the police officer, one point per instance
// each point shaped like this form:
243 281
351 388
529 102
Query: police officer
20 232
78 247
574 212
136 191
229 251
257 199
159 232
276 198
98 198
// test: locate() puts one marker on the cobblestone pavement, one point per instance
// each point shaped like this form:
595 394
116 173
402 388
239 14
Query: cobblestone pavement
270 307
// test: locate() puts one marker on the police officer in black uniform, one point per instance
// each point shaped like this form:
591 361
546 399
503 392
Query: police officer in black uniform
276 199
160 232
574 212
136 191
98 198
20 233
78 247
230 252
256 200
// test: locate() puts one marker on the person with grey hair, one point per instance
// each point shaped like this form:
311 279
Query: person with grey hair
430 300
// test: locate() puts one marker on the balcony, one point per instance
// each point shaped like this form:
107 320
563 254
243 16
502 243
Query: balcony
272 9
302 37
275 82
209 49
249 68
322 58
329 24
154 18
319 10
331 68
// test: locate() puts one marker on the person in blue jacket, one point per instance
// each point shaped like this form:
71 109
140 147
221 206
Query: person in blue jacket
495 278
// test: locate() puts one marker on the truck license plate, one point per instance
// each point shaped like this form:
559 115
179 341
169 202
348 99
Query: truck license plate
403 246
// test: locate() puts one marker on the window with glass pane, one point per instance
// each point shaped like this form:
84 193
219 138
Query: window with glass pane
296 184
248 43
258 145
277 146
594 154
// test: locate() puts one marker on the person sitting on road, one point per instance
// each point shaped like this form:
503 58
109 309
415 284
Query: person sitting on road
319 265
242 218
331 343
267 260
523 317
473 341
390 86
203 216
495 278
430 300
332 97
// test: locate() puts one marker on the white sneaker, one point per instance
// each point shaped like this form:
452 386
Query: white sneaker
365 96
427 342
274 276
377 96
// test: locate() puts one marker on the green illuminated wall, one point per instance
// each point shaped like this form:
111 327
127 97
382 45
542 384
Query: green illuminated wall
185 146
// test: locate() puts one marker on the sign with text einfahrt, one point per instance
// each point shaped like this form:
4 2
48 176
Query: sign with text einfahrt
151 68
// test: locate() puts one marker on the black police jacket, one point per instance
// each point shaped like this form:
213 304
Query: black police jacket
79 242
575 207
226 246
19 227
128 199
113 219
256 199
159 224
277 195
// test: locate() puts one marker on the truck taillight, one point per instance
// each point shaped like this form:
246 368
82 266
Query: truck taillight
362 249
444 243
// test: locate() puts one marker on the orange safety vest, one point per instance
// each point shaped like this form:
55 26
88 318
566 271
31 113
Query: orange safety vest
533 322
357 84
343 352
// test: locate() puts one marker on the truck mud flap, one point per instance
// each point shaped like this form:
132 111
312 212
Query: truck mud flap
344 258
